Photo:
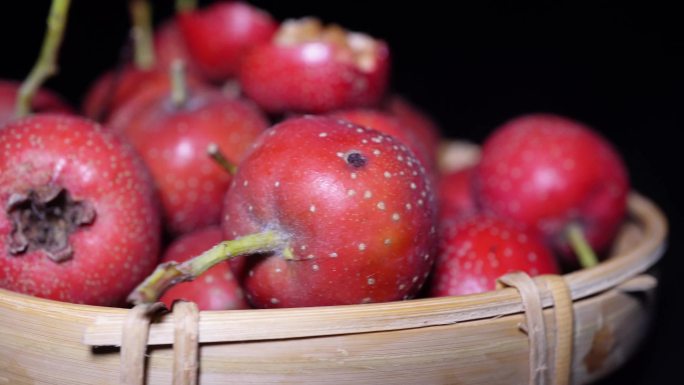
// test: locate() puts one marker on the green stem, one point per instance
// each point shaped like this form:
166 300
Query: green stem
580 245
46 65
171 273
186 5
216 154
142 32
179 84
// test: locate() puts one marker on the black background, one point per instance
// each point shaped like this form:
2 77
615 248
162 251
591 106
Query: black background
617 67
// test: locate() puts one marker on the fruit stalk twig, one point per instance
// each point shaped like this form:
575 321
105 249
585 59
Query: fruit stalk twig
179 84
186 5
141 31
171 273
579 244
46 65
215 153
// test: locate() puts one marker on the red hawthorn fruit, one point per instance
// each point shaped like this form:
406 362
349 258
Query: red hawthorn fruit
476 250
173 141
44 101
456 196
309 68
548 172
219 35
353 204
79 220
216 289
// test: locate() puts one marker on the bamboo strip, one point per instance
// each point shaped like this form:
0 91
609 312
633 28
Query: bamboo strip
563 329
246 325
534 323
134 345
185 345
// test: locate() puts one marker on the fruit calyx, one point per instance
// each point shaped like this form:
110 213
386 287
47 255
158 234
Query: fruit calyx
357 47
43 219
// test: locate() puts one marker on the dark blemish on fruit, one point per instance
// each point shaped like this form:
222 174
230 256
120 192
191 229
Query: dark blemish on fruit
356 159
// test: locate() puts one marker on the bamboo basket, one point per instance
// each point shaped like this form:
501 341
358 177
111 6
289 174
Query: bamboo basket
547 330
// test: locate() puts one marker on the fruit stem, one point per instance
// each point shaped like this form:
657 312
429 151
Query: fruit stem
186 5
46 65
179 84
141 31
580 245
171 273
215 153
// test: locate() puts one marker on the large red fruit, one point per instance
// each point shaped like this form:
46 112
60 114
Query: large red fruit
173 141
216 289
311 68
353 204
477 250
549 172
218 36
79 221
43 101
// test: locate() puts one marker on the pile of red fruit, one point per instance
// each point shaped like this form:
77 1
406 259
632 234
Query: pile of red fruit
277 147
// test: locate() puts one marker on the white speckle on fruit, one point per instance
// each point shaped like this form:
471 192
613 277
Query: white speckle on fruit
414 279
426 256
400 158
396 217
387 174
508 252
245 183
323 134
278 270
310 256
359 130
276 184
275 301
366 300
209 279
303 247
250 208
381 205
388 241
312 208
368 194
532 256
251 273
351 192
413 186
420 202
408 206
315 267
371 281
362 246
353 175
402 286
376 152
333 255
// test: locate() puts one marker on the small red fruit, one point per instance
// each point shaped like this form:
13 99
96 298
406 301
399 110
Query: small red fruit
79 220
314 69
549 172
44 101
216 289
169 45
477 250
456 196
219 35
173 142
